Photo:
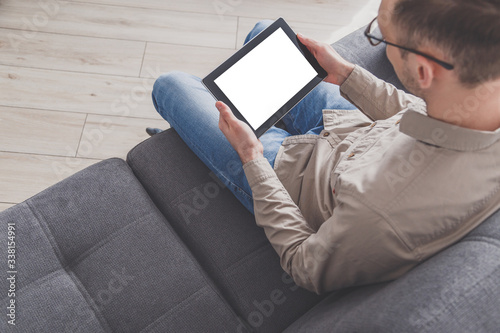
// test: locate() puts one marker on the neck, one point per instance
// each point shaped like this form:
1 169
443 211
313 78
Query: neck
477 108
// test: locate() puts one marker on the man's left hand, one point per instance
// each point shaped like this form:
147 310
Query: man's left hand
239 135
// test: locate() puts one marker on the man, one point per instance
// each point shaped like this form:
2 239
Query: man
357 201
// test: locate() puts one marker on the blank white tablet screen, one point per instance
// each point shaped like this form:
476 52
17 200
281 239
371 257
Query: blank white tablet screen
266 78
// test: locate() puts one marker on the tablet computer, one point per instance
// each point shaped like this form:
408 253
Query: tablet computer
266 78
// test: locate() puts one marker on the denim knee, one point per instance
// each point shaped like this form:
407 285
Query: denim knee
164 82
261 25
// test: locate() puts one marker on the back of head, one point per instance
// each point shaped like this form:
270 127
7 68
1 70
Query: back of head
467 31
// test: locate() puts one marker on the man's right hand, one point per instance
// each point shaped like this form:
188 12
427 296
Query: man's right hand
338 68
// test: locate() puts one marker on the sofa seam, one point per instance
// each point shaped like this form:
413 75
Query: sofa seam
48 234
163 219
206 276
226 180
219 289
41 279
483 239
131 151
177 307
76 281
107 240
246 258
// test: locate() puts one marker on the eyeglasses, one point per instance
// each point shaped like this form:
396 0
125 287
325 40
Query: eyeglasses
373 30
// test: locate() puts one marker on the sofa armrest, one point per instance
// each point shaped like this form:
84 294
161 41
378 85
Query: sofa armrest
95 255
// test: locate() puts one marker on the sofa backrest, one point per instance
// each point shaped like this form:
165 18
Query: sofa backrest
457 290
356 49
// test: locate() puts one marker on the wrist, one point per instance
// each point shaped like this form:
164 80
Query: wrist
344 72
251 154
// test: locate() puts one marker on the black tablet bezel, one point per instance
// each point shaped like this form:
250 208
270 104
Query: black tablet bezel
209 83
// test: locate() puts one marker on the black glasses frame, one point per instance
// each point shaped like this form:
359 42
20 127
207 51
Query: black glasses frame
371 39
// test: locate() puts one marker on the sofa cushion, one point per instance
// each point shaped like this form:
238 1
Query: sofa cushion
220 232
95 255
458 290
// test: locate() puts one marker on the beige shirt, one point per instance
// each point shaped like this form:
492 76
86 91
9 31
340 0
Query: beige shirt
367 200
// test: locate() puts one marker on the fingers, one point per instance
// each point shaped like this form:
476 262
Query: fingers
303 38
220 105
226 116
224 110
310 43
223 125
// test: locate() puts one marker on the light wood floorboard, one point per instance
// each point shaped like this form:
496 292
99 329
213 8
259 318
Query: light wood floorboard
338 12
320 32
138 24
4 206
73 53
195 60
105 136
77 92
76 76
24 175
40 132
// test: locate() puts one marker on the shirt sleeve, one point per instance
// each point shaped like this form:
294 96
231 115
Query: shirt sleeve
353 247
374 97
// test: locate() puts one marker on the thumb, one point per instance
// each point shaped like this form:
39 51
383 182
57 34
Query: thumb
224 110
306 41
312 45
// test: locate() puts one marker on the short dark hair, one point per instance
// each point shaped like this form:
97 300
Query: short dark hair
468 31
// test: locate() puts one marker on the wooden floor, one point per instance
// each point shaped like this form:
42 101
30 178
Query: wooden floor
76 76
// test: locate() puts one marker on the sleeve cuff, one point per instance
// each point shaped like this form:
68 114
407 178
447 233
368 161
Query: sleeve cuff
356 83
258 170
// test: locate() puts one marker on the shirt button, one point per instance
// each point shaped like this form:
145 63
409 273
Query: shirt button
326 134
397 122
351 155
373 125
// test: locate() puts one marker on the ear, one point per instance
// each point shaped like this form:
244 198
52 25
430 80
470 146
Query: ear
426 71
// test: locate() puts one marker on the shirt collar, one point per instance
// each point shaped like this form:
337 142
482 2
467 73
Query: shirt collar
417 124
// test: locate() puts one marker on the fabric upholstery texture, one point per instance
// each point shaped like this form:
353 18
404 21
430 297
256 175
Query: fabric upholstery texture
220 232
455 291
95 255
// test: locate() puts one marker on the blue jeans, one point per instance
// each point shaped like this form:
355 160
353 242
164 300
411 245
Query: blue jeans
183 101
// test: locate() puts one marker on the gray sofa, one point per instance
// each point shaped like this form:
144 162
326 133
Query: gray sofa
157 244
